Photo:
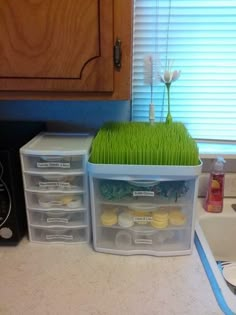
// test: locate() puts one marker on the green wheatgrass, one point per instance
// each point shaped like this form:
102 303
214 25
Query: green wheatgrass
140 143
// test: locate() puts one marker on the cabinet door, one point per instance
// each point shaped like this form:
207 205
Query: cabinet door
56 45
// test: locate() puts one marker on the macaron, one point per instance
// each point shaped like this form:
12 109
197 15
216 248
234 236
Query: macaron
177 218
109 208
161 215
159 225
125 219
44 204
75 203
108 218
66 199
174 210
160 219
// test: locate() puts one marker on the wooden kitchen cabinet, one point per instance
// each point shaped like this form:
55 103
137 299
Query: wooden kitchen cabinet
65 49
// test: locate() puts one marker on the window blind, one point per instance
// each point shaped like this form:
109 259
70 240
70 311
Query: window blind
200 37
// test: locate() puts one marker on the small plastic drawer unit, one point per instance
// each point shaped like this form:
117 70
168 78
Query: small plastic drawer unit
143 209
54 168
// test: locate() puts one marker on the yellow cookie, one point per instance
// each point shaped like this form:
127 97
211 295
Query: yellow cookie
67 199
160 219
174 210
159 225
108 208
108 218
160 215
177 218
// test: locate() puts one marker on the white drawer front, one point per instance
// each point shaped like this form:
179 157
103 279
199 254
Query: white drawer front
52 162
50 201
58 235
57 218
54 182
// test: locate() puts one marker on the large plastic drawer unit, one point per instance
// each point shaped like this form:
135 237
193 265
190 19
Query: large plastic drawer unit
143 209
54 168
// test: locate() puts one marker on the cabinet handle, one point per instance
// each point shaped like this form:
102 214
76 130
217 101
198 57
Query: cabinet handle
117 54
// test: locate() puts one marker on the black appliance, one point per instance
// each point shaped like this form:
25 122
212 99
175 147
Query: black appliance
13 135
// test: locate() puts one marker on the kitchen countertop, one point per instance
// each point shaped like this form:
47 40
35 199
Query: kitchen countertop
74 279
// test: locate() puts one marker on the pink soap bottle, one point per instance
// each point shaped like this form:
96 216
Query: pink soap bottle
215 192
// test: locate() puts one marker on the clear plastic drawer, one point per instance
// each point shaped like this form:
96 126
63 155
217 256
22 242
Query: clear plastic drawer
61 201
162 241
144 191
143 227
55 182
158 217
52 162
57 218
58 235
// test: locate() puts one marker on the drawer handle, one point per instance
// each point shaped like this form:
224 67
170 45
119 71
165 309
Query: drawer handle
57 220
59 237
143 183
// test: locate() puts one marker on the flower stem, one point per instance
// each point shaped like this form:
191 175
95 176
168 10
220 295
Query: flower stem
168 117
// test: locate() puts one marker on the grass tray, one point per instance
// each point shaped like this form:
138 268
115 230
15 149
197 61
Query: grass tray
140 143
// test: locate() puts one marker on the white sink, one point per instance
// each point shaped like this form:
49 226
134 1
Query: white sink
216 240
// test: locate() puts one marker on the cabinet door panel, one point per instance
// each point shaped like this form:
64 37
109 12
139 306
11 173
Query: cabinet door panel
56 45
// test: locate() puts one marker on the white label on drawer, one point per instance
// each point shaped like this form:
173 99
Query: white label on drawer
143 241
53 164
142 219
57 220
54 184
143 193
62 237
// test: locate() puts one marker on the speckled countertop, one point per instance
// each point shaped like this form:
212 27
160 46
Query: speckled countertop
74 279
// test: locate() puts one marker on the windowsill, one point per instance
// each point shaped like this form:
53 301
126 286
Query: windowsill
211 149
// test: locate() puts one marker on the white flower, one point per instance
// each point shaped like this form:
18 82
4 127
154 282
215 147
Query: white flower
169 76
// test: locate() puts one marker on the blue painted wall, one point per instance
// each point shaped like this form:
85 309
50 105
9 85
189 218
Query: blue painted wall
66 115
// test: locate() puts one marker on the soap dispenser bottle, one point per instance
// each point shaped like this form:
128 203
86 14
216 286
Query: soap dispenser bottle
215 192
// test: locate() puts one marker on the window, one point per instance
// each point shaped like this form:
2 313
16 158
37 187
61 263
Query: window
200 37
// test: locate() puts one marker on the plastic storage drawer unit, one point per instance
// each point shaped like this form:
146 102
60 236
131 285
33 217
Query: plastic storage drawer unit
54 167
143 209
